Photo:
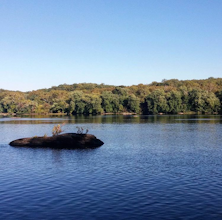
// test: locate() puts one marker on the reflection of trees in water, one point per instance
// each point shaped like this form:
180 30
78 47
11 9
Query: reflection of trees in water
103 119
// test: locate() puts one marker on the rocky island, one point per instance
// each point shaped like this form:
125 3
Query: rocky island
60 141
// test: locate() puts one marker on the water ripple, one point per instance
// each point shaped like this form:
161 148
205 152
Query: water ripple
143 171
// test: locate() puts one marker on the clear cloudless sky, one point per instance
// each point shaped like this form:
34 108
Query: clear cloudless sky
46 43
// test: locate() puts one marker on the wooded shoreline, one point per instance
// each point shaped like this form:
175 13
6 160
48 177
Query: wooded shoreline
166 97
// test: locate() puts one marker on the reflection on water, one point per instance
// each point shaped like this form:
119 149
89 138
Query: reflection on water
115 119
150 167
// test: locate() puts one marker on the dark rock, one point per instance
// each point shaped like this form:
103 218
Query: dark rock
68 140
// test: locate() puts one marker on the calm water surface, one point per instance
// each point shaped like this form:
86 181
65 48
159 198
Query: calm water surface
150 167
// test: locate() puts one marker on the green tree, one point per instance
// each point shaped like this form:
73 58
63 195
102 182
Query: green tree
111 103
204 101
133 104
157 102
174 102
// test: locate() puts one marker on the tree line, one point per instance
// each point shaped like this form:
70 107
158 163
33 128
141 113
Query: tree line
166 97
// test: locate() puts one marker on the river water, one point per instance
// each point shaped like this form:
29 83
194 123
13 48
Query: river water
150 167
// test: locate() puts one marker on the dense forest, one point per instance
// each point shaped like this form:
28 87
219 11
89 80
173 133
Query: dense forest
166 97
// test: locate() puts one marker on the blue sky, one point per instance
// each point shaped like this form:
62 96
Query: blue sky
117 42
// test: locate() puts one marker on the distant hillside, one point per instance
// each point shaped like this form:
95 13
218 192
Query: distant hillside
167 97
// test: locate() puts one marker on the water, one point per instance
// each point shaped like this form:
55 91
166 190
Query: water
150 167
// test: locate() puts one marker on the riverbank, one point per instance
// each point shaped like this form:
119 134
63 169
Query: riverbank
32 114
108 113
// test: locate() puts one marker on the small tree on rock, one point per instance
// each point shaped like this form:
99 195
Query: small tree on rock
57 129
